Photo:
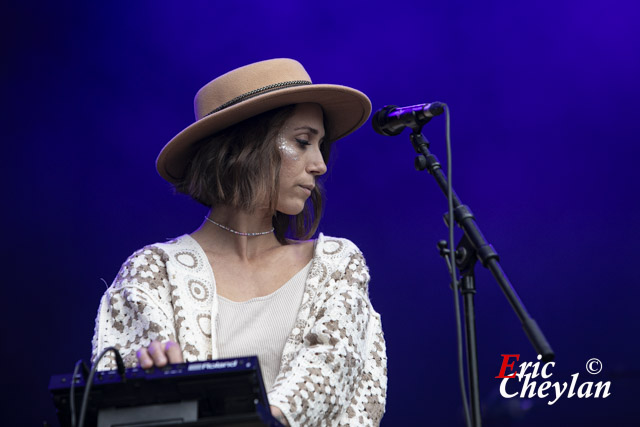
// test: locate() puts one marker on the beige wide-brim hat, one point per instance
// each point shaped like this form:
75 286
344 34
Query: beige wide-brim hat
256 88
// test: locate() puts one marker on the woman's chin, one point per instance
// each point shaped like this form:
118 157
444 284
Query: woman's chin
291 209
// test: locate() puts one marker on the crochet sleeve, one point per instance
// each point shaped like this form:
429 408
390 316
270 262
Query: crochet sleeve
338 376
135 310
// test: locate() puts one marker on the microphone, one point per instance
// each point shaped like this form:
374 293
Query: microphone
391 119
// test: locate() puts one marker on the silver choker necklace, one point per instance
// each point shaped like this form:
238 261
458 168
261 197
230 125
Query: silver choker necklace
239 233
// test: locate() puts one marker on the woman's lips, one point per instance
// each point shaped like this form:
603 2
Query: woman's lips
307 189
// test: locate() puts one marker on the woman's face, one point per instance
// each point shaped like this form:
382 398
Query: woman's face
299 143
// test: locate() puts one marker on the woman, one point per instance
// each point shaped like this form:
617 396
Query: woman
249 281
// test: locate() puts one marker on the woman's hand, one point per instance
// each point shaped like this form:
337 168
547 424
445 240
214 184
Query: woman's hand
278 415
159 354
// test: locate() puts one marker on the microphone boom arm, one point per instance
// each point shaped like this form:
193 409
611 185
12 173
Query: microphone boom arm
485 252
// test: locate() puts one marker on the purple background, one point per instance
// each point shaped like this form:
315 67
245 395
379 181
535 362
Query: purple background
544 101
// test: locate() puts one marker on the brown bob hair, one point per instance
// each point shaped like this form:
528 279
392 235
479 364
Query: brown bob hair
241 164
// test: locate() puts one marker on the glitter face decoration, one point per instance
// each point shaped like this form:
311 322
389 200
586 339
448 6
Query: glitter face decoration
287 148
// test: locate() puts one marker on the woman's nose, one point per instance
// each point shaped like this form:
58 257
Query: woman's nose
316 164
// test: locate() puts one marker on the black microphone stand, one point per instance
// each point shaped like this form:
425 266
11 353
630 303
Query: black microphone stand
472 247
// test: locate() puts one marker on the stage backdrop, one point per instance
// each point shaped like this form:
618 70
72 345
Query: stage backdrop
544 118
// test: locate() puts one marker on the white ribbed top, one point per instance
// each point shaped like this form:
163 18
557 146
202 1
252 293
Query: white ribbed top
260 326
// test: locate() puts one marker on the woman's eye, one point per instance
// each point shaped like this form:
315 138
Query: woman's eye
302 142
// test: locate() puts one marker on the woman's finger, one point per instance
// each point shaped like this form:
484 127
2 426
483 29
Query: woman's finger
156 350
144 358
173 352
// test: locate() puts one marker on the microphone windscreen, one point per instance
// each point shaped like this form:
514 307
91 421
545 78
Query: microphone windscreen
380 121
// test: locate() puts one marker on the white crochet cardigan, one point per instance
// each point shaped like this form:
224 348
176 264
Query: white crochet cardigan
334 368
